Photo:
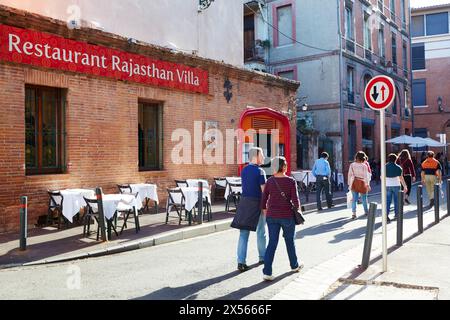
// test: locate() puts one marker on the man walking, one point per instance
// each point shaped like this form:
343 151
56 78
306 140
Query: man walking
249 216
431 174
322 172
394 182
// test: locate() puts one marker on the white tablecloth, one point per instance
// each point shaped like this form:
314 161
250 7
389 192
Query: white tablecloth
191 196
122 202
193 183
146 191
305 176
74 201
223 183
235 189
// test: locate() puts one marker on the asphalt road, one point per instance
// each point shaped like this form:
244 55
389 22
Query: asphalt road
201 268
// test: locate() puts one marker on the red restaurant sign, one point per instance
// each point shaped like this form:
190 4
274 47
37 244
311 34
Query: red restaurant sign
49 51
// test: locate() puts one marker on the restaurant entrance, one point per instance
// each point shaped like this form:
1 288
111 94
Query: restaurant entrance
266 129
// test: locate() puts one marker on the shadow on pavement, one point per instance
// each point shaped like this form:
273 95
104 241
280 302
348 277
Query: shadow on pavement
189 292
244 292
323 228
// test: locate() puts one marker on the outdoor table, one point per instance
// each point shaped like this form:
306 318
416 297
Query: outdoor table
232 180
146 192
119 202
194 183
191 196
74 201
307 175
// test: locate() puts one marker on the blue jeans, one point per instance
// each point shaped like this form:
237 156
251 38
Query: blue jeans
261 239
355 202
275 225
392 192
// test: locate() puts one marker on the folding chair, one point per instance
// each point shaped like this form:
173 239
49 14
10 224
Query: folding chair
217 186
92 213
181 183
127 211
55 205
124 188
235 195
175 200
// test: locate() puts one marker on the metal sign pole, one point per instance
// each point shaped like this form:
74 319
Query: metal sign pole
383 186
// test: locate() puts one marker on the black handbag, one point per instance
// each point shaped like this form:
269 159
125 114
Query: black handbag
247 214
298 216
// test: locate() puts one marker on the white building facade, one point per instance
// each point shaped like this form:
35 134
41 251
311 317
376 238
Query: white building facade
214 33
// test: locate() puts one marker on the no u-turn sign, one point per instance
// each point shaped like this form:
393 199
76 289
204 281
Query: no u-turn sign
380 93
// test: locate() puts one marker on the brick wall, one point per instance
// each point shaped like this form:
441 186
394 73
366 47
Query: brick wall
102 118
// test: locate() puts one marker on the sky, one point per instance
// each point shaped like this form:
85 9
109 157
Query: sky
426 3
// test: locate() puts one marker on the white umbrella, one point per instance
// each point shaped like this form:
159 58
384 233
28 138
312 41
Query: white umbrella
406 140
428 142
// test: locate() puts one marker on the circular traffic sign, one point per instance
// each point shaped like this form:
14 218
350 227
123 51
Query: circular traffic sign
380 93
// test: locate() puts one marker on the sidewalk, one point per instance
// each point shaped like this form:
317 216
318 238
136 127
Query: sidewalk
319 281
418 270
50 245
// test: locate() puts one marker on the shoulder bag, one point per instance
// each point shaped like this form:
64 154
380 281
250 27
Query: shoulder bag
359 185
299 219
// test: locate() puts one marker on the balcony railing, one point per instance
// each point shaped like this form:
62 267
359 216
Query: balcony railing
350 46
254 53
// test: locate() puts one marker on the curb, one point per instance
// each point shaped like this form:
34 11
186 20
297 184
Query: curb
166 238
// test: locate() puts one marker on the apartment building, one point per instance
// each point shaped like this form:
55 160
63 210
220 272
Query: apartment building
431 65
334 47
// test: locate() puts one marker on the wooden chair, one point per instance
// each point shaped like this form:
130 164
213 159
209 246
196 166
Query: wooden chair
218 187
234 195
127 212
55 206
92 213
181 183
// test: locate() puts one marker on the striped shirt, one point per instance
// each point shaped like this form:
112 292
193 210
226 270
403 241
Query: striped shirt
277 206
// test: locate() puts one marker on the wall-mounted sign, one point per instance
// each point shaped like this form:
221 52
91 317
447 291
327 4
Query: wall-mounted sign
54 52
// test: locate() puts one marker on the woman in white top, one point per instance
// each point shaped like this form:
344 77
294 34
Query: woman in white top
359 170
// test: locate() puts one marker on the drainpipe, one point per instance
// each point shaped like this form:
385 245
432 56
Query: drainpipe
341 61
410 70
264 9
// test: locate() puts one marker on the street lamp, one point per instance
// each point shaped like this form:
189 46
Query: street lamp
204 4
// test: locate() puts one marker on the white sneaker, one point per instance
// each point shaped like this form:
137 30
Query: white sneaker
268 278
299 268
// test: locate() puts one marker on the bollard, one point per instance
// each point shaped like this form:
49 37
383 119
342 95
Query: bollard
101 216
437 203
200 203
448 197
369 236
23 223
401 203
420 207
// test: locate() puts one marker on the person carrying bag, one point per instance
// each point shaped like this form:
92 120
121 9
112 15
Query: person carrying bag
280 204
359 182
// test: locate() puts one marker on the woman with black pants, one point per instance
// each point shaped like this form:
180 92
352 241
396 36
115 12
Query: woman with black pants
409 172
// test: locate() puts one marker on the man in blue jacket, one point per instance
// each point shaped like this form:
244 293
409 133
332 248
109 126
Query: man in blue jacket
322 172
253 182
